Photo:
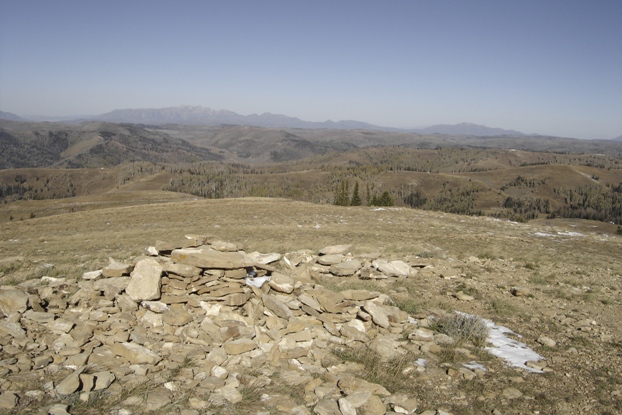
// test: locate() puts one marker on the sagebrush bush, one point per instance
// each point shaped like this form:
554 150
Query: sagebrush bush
463 327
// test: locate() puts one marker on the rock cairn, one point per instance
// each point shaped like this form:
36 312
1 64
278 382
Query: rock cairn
202 315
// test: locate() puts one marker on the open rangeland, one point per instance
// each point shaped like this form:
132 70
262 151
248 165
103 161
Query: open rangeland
556 283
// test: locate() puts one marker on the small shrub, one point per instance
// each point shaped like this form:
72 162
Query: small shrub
409 305
502 308
531 266
463 327
487 255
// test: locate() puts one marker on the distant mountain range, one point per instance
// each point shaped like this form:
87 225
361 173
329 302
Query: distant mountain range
206 116
197 115
467 128
619 138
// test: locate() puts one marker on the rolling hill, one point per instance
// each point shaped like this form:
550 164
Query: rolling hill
91 144
10 116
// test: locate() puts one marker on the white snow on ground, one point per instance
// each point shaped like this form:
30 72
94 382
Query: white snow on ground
473 365
257 281
551 235
512 351
570 234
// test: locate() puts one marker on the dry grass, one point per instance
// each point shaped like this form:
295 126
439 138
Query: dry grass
122 227
394 374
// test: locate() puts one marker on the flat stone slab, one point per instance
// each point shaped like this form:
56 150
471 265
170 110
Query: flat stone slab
335 249
346 268
392 268
13 300
116 269
209 258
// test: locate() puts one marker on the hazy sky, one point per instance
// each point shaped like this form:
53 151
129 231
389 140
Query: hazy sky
546 66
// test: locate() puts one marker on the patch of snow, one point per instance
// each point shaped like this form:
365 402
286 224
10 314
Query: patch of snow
421 362
551 235
473 365
377 209
543 234
512 351
256 282
570 234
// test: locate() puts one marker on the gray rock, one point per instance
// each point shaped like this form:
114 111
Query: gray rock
546 341
13 300
92 275
335 249
8 400
346 407
157 399
145 281
281 283
116 269
512 393
520 291
277 307
373 406
58 409
264 258
177 316
12 329
327 407
331 259
239 346
135 353
155 306
224 246
70 384
103 380
378 314
464 297
346 268
392 268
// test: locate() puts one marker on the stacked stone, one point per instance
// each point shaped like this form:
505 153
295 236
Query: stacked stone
210 312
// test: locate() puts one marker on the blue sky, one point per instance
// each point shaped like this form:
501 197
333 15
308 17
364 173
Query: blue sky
547 66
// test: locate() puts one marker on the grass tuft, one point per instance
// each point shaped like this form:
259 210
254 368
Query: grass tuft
394 374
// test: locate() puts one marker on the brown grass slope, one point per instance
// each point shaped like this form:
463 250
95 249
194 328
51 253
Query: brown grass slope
571 270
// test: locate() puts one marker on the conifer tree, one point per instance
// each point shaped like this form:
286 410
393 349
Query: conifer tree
342 194
356 199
